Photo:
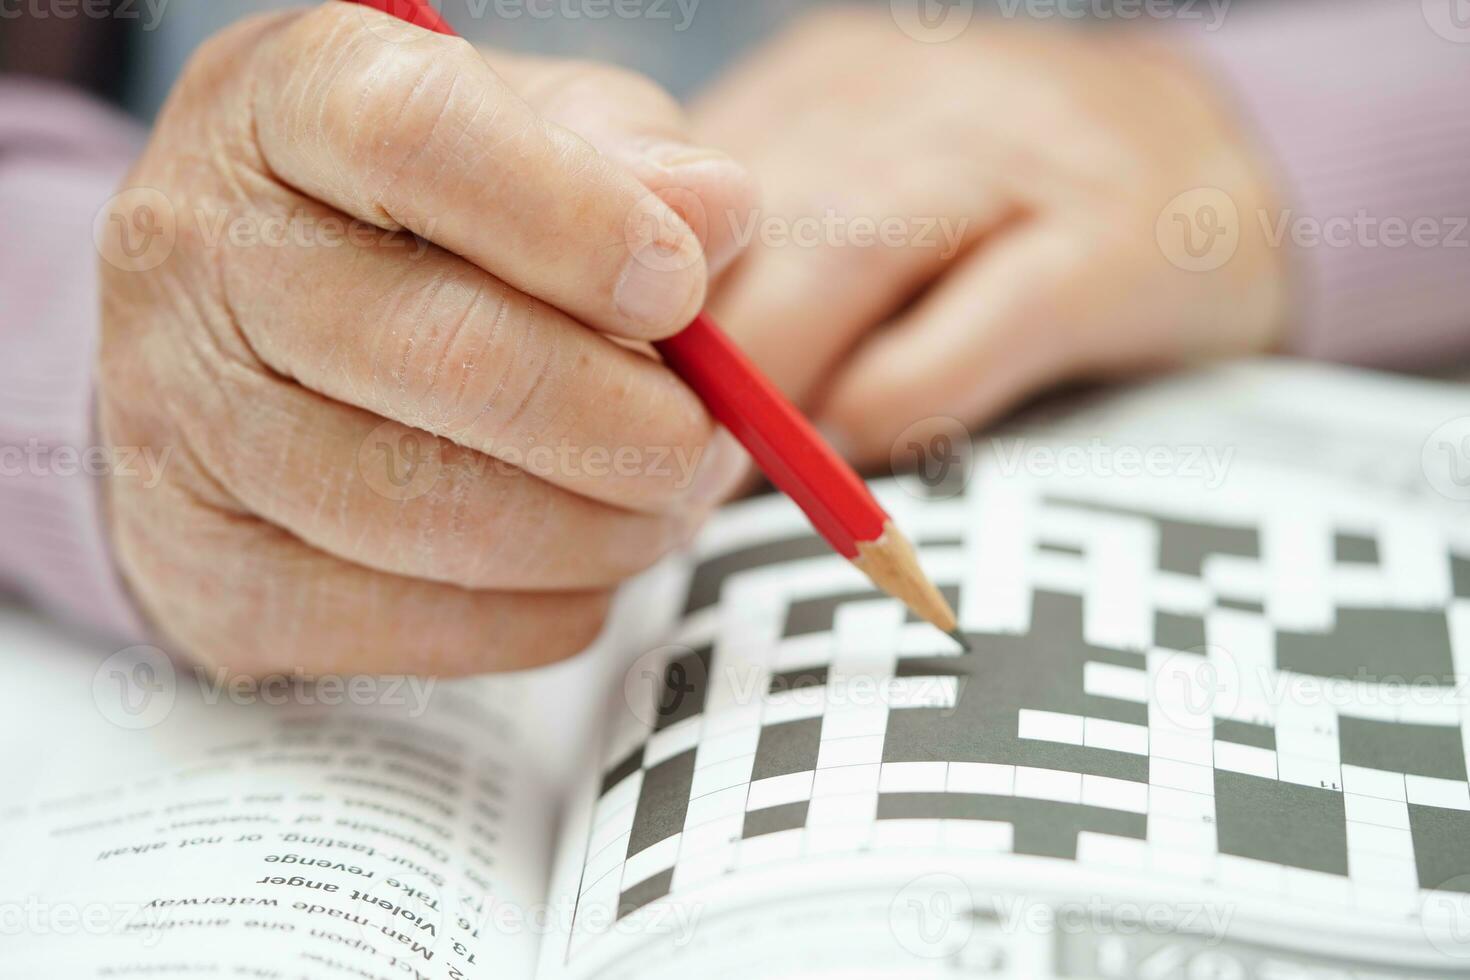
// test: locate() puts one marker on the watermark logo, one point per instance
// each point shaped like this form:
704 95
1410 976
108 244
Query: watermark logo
139 228
688 207
669 684
397 29
143 464
934 458
1206 465
301 228
412 693
135 688
1096 915
136 230
1364 230
1450 19
663 230
147 14
1446 459
1211 12
933 21
663 684
399 463
1199 230
35 917
1192 688
1444 915
680 13
932 917
832 228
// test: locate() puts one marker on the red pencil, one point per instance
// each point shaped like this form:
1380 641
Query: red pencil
799 462
783 443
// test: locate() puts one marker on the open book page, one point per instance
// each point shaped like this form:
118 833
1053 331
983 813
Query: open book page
359 829
1213 723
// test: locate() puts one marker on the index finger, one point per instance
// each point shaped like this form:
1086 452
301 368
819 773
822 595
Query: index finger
408 129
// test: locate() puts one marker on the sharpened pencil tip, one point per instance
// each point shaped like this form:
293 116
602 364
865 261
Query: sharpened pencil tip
893 566
962 640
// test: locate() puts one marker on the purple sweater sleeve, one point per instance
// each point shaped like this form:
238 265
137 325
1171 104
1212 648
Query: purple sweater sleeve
1363 108
60 159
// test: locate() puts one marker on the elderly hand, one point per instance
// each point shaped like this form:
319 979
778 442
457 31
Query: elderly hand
952 226
387 310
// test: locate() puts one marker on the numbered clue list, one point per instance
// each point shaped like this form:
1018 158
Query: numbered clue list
326 844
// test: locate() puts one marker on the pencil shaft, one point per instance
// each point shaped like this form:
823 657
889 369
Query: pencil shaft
783 443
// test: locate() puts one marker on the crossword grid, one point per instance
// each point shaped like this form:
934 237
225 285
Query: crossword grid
1267 698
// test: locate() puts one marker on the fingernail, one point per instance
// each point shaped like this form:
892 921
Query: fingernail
661 285
687 166
657 287
672 156
720 471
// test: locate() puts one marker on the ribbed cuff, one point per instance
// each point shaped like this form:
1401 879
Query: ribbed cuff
1362 108
60 159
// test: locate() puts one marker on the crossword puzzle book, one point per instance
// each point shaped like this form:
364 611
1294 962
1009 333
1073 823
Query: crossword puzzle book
1211 727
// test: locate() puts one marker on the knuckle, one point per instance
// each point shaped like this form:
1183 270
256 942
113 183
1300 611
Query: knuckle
216 60
397 105
455 374
372 105
311 49
521 389
391 87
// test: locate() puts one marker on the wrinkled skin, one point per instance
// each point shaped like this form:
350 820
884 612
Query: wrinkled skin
383 308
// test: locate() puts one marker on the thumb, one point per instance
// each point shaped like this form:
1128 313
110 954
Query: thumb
630 119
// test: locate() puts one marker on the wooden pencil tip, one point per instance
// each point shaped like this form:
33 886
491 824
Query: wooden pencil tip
962 640
893 566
